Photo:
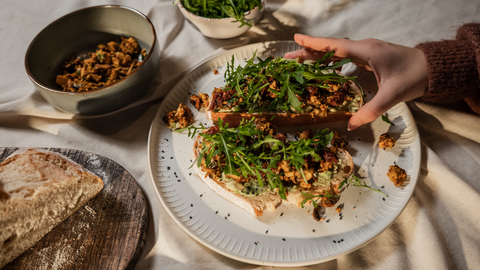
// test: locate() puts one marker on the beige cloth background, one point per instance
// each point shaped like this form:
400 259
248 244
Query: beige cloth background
439 229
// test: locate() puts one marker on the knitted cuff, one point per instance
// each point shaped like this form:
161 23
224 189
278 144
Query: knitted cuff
452 70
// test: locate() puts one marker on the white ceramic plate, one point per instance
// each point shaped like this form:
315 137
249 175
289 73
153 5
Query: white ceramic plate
288 236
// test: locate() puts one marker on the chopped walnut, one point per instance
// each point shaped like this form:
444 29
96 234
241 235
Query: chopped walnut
386 141
199 101
397 175
181 116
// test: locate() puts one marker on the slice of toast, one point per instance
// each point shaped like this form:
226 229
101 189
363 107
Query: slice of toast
270 200
282 119
255 205
345 169
38 190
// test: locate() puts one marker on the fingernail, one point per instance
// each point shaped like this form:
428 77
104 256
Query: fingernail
352 125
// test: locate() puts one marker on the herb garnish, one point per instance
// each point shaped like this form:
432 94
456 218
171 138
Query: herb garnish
385 119
310 197
249 153
222 8
354 180
250 80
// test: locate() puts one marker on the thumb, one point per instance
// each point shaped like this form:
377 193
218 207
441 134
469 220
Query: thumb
381 103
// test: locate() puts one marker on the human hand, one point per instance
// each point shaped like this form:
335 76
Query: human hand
401 72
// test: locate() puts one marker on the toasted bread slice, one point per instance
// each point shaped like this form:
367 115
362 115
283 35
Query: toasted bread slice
282 119
344 170
39 189
270 200
255 205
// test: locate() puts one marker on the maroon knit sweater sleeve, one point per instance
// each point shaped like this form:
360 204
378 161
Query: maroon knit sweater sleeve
454 68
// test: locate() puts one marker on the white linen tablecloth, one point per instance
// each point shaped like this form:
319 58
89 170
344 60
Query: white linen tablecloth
439 228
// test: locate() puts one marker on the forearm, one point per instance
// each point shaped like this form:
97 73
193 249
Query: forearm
453 66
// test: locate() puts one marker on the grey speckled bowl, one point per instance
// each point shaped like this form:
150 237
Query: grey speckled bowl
80 32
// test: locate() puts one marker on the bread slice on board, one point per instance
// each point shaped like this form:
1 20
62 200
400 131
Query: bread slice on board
38 190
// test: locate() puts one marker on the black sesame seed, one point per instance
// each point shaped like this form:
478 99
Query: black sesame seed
334 241
191 205
163 151
328 220
168 168
190 174
228 214
313 230
382 186
341 240
284 239
255 243
190 217
163 157
383 199
281 214
179 180
216 212
201 195
225 217
171 157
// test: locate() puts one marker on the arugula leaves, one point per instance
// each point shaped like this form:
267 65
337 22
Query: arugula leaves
222 8
315 198
386 120
249 153
354 180
251 79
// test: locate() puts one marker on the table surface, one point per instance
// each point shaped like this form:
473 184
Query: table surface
437 230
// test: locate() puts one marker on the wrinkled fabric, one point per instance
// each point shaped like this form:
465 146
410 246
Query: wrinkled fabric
438 228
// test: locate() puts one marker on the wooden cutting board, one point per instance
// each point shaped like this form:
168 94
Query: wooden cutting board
109 232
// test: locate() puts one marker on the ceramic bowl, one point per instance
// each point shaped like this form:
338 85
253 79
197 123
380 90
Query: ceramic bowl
80 32
222 28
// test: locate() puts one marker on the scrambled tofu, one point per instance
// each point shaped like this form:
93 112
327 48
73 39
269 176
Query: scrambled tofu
109 64
199 101
397 175
181 116
338 142
386 141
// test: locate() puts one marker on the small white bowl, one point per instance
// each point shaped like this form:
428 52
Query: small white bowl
225 27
